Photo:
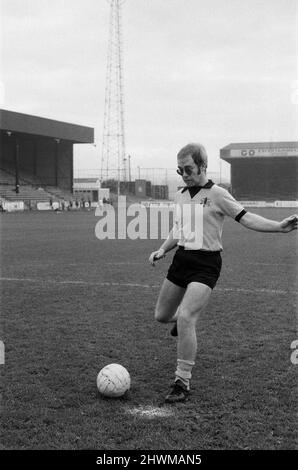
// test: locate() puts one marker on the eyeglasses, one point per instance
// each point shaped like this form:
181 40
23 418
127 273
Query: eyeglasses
187 169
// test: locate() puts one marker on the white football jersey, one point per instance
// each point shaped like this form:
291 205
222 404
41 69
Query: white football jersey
199 216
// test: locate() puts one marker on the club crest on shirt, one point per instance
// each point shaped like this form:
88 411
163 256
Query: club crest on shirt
205 202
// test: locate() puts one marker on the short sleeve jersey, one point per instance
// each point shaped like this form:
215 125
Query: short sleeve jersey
199 216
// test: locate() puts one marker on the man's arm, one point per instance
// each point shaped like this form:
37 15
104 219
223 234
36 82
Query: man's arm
260 224
167 245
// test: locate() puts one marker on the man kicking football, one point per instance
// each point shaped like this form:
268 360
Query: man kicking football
200 210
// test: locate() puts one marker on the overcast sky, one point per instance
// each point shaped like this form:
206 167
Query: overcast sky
214 71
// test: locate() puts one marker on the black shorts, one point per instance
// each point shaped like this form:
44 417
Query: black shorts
195 266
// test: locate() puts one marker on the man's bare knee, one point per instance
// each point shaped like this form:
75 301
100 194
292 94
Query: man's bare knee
159 315
186 317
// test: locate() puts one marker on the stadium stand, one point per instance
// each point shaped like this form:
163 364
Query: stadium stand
6 178
265 171
36 162
26 193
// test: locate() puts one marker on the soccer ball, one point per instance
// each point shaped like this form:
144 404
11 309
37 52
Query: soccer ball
113 380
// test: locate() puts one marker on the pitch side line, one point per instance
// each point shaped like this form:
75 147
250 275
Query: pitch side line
146 286
86 283
253 291
271 264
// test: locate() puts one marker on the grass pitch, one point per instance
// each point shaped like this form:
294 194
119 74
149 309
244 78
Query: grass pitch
70 304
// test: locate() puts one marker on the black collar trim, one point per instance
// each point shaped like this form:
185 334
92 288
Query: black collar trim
193 190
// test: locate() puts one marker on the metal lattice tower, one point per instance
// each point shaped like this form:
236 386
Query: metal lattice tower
113 143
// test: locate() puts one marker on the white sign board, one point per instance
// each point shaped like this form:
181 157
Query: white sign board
12 206
43 206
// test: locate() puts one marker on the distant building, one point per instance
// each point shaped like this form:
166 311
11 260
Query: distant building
144 188
89 189
263 171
